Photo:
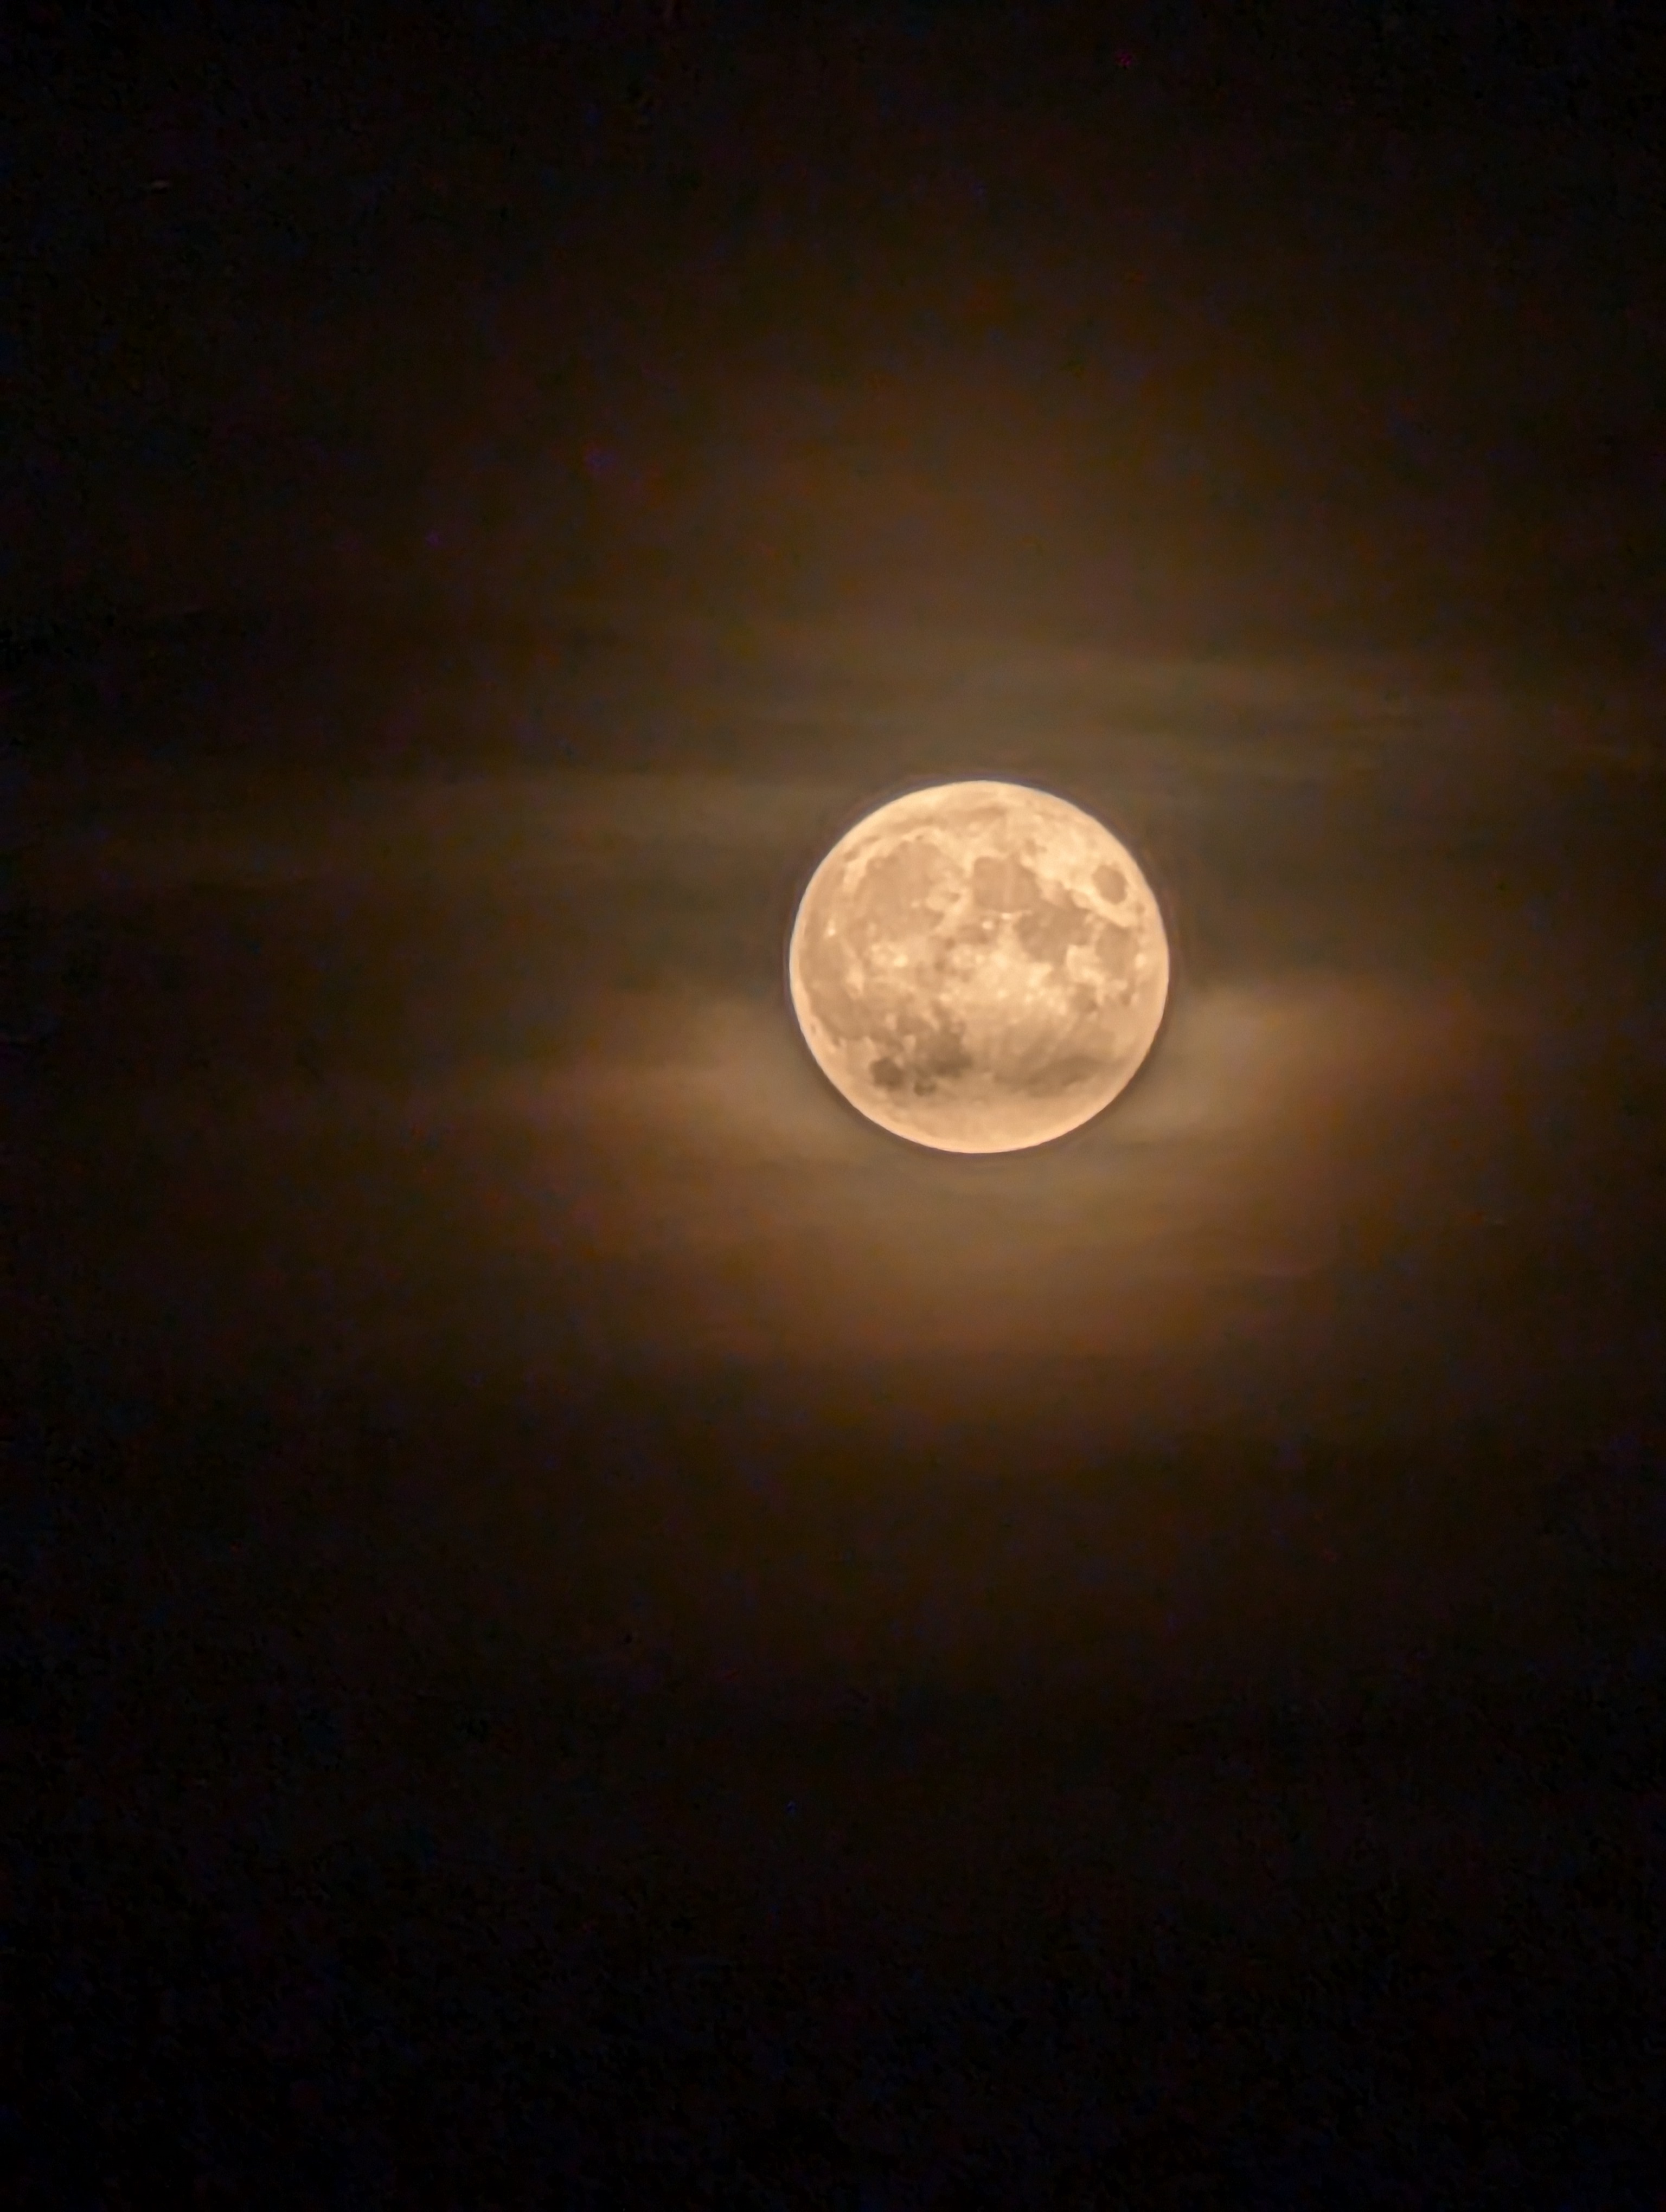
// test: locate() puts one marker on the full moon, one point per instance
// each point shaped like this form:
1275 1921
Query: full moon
979 966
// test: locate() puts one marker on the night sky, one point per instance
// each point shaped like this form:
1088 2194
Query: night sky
581 1625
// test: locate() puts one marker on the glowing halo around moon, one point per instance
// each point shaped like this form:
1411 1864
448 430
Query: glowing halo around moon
979 966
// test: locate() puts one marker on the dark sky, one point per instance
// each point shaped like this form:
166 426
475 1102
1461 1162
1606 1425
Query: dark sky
529 1515
1203 321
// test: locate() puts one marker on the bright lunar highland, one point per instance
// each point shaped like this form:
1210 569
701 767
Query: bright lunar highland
979 966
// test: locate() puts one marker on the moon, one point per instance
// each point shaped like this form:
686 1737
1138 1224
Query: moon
979 966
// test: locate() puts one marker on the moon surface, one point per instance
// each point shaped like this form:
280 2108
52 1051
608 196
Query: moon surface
979 966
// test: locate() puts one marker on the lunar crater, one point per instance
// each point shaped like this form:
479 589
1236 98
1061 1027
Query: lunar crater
979 966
